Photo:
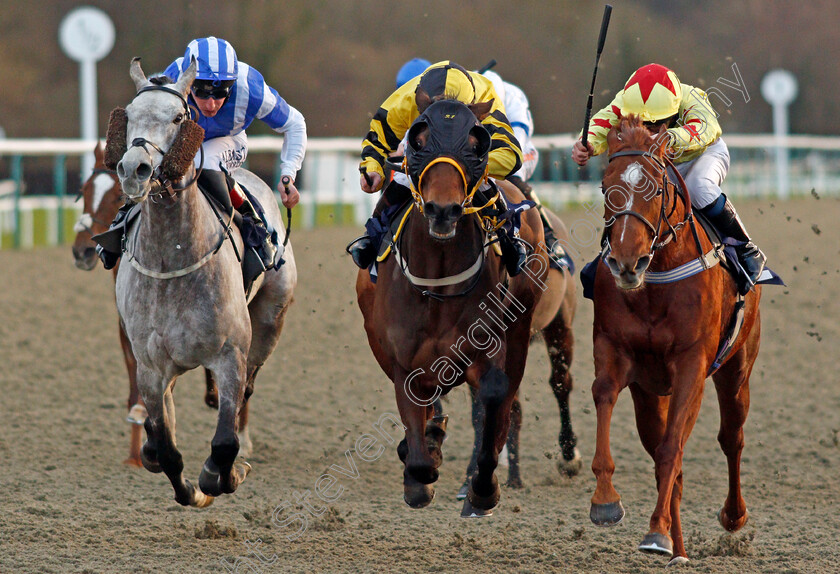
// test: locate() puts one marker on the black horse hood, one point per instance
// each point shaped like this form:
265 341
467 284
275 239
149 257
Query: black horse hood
450 124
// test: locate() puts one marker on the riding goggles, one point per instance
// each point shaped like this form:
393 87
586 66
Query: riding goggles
218 90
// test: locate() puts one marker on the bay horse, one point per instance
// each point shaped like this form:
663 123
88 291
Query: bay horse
179 290
552 322
102 197
662 338
429 318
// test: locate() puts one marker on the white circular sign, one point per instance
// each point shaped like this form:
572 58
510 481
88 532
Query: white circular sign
779 87
86 34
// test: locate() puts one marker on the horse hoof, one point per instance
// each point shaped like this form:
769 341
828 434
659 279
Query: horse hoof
136 462
608 514
240 471
423 474
470 511
732 525
148 463
656 543
418 495
677 561
209 481
485 502
137 415
201 500
515 483
570 467
462 492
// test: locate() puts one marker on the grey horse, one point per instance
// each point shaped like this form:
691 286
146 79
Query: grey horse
180 290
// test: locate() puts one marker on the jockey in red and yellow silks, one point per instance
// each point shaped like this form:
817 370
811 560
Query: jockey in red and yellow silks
655 93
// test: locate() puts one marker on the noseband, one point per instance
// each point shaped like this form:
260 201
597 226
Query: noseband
669 192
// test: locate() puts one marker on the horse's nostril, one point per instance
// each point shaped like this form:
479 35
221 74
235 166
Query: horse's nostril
612 263
144 171
642 263
456 211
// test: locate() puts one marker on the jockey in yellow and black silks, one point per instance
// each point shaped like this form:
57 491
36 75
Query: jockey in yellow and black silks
699 153
443 80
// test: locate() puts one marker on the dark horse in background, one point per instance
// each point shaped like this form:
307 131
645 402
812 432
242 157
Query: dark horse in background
102 196
662 339
428 333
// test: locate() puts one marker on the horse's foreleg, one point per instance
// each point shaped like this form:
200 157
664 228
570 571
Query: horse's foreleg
420 466
610 377
159 453
683 409
496 396
136 409
220 475
651 415
733 391
560 344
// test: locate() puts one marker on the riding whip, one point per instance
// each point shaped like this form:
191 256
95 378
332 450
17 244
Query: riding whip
487 66
286 181
605 22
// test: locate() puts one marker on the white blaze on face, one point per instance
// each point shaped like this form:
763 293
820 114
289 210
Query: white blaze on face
633 175
102 184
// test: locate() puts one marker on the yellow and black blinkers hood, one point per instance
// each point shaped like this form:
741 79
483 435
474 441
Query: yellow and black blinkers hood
450 124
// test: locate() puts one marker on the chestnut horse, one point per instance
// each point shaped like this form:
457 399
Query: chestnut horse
102 196
430 317
661 338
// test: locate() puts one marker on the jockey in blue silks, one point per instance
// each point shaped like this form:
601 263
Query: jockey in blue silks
230 95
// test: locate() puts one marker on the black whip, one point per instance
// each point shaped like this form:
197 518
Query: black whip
605 22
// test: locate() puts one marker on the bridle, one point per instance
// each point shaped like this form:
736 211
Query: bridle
158 179
670 193
86 220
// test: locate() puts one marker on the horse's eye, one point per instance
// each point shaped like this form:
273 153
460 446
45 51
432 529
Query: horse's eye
178 119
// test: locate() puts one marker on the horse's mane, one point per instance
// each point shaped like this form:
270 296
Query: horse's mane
634 134
161 80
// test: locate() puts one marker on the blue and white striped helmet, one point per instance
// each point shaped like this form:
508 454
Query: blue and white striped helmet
216 59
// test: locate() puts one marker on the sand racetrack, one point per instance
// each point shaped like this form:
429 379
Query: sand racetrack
67 504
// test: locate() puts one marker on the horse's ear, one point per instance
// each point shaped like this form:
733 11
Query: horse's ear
422 99
136 73
481 110
97 153
186 79
662 140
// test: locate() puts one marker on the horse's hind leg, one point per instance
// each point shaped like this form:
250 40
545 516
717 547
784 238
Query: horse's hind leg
733 391
211 394
560 345
160 453
220 475
136 409
514 477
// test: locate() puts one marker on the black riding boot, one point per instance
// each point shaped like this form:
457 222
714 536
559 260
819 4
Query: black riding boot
365 249
554 247
218 184
109 243
727 222
514 250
